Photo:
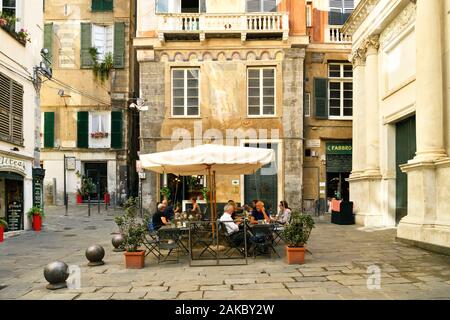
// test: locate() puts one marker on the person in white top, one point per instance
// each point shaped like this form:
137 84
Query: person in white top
284 215
232 227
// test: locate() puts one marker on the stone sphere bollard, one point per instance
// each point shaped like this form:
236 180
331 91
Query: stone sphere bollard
56 273
95 255
117 242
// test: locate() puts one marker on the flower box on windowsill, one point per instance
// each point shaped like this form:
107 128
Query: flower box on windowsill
21 36
99 135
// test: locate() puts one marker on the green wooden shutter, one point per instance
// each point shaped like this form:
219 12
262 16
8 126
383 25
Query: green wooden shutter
321 98
116 129
108 5
119 45
83 129
48 40
86 44
102 5
49 130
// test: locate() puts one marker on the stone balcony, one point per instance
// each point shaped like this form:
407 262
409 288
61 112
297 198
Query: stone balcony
187 26
333 34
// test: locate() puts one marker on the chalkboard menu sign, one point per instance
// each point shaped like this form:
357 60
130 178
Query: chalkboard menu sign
38 178
14 215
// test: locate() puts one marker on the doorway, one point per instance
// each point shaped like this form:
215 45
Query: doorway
11 200
405 150
190 6
263 185
98 172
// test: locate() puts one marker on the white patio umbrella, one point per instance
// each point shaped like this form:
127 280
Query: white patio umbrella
211 159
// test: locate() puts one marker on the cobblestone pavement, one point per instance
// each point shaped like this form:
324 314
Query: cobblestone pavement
335 269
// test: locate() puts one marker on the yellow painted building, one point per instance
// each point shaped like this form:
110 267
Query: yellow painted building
85 110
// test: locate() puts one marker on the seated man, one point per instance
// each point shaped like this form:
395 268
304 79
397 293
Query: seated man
232 228
259 213
159 218
168 211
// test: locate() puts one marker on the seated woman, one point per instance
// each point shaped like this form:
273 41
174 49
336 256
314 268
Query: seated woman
195 211
284 215
160 218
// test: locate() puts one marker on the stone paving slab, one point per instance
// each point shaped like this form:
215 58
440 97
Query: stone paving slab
336 270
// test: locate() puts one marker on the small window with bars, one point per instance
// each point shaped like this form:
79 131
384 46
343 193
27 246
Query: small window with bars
11 110
261 91
307 105
185 92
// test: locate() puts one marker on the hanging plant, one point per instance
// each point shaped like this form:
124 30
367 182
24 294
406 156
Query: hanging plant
165 191
101 68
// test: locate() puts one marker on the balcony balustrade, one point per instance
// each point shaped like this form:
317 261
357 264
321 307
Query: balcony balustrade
222 24
333 34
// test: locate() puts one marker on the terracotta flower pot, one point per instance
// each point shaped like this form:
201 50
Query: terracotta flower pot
2 230
37 223
295 255
134 260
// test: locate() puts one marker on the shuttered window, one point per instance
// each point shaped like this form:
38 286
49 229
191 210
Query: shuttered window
48 41
103 40
86 44
261 5
340 10
102 5
83 129
261 91
320 98
49 129
11 110
185 92
119 45
116 130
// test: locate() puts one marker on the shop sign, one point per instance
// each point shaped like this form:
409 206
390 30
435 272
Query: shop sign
11 164
313 143
339 148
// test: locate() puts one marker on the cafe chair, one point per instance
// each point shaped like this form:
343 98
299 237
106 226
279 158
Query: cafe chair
169 240
223 234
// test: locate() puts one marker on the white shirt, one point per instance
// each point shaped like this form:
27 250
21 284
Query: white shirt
231 226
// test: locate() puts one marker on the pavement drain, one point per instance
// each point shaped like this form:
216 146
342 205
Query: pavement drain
68 228
109 220
70 235
90 228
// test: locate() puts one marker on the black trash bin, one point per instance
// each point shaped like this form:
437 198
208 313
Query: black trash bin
345 216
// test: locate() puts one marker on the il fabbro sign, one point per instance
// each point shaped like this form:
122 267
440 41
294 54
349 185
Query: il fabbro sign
339 148
7 164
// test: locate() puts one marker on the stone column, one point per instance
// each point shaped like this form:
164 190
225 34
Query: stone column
372 107
359 121
293 65
430 97
152 89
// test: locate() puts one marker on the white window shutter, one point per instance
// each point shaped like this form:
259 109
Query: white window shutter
109 47
98 40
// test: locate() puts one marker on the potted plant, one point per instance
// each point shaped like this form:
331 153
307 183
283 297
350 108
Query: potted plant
296 235
133 234
3 225
165 191
36 214
79 196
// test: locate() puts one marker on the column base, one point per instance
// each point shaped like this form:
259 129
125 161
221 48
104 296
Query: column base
431 237
365 192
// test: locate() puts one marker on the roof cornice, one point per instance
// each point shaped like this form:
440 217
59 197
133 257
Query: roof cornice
360 13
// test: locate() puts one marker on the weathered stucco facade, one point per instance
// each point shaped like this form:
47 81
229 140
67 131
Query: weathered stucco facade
75 90
401 134
328 45
223 61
